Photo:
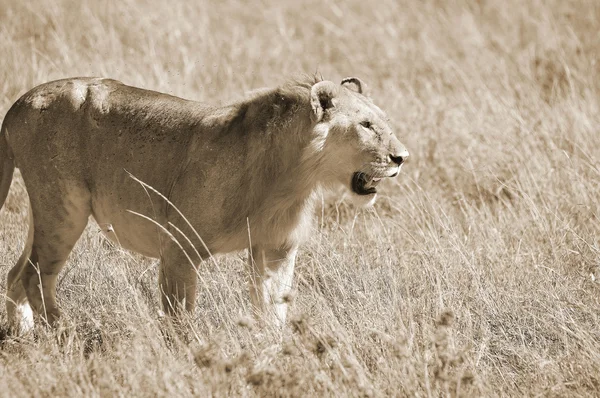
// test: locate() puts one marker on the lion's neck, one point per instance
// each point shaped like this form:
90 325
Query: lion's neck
283 191
285 195
272 134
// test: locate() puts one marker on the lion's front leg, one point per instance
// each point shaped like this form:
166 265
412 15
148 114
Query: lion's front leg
178 279
272 272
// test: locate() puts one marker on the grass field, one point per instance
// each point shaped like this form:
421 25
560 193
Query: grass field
476 274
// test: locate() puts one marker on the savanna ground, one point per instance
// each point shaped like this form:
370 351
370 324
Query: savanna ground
475 274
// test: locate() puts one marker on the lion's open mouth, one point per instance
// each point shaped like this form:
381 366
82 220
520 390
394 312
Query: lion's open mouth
364 184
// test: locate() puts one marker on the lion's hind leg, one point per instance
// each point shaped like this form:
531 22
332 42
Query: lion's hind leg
20 315
58 219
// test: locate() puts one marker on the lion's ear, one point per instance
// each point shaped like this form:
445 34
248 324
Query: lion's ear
321 98
355 84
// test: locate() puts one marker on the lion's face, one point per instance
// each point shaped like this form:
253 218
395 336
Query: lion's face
359 148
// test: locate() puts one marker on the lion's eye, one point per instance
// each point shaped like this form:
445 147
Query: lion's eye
366 124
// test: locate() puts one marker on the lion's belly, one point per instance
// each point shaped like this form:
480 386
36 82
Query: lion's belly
128 225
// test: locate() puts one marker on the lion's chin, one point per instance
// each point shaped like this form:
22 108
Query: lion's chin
364 189
363 200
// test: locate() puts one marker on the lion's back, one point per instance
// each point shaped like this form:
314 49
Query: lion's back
81 114
51 110
61 98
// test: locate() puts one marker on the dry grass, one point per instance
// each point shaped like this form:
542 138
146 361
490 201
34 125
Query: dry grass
476 275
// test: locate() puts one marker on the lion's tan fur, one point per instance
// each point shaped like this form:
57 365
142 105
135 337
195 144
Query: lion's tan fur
242 175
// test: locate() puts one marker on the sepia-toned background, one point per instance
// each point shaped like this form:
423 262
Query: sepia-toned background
476 274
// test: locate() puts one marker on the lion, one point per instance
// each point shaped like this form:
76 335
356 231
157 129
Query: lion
181 180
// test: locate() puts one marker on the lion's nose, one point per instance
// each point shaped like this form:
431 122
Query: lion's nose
400 158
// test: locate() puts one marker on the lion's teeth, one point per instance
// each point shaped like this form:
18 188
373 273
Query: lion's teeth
376 179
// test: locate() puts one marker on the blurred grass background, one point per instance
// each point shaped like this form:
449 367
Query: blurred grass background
476 273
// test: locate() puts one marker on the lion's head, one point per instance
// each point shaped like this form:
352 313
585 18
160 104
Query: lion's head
357 144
